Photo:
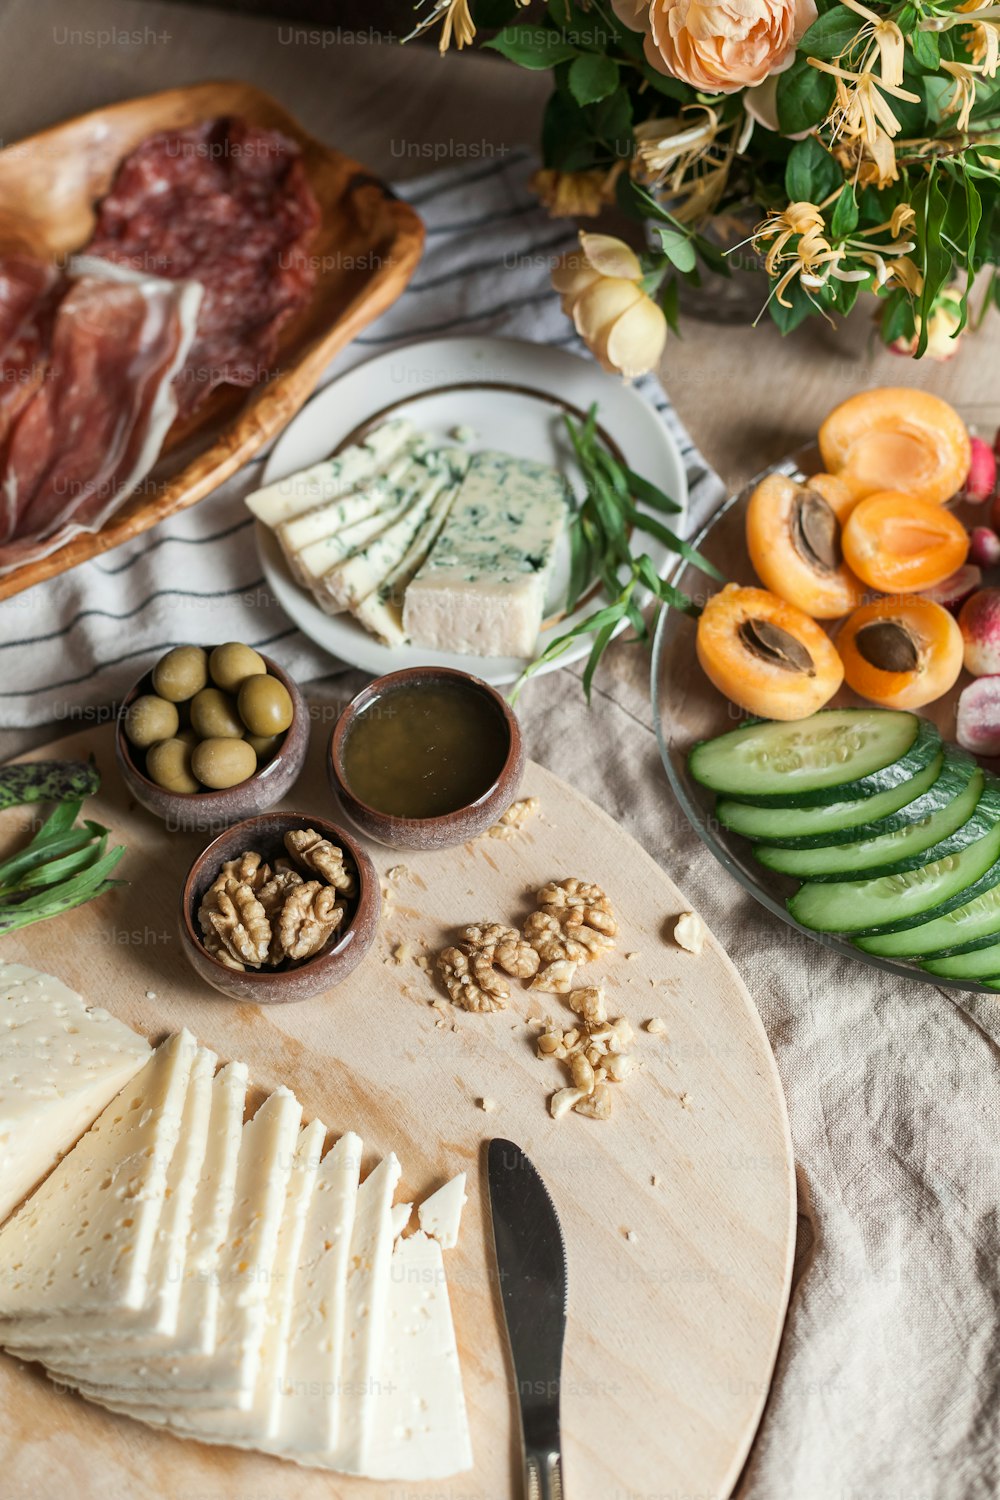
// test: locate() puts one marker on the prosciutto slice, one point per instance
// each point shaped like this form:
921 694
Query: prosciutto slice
28 299
228 204
95 424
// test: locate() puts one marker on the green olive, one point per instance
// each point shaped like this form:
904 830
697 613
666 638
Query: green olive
214 716
187 736
150 719
264 745
219 763
169 765
233 663
181 673
265 705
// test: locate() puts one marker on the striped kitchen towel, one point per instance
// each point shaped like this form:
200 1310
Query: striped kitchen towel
81 639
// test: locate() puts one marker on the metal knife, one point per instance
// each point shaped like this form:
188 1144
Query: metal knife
531 1260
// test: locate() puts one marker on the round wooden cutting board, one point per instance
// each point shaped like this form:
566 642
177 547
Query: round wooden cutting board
678 1213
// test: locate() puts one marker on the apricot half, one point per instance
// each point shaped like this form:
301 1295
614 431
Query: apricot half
897 439
836 492
901 653
793 537
766 655
897 544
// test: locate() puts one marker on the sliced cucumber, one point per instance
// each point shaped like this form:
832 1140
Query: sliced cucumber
835 755
892 902
959 822
980 963
974 924
842 822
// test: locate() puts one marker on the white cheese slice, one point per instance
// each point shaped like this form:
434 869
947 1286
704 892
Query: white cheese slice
381 611
60 1064
379 494
401 1216
312 561
306 1402
157 1319
345 584
83 1242
420 1429
198 1289
333 477
245 1268
482 589
440 1215
230 1425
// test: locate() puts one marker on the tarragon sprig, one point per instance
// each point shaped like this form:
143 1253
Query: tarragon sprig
600 536
62 867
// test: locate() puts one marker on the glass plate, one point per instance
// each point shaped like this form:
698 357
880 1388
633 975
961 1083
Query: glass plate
687 708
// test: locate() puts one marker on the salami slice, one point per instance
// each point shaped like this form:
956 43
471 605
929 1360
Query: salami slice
227 204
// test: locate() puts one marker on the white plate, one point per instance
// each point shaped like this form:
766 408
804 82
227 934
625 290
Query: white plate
512 394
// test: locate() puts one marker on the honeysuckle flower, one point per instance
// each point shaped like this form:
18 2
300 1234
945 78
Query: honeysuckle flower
576 194
601 289
458 23
862 113
802 248
962 99
687 158
722 46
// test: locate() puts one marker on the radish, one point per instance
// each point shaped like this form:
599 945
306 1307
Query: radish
978 716
981 480
984 547
953 592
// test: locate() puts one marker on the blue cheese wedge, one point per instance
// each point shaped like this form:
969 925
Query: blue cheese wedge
337 476
83 1243
482 589
346 583
59 1066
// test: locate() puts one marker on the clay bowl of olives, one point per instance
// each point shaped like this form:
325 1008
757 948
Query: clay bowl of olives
211 735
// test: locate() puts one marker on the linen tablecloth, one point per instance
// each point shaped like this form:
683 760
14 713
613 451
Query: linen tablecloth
887 1380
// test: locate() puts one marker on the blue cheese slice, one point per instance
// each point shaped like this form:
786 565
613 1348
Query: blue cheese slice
350 514
83 1243
482 589
381 611
59 1066
337 476
420 1429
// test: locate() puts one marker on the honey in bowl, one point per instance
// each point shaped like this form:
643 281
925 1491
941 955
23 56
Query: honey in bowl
425 749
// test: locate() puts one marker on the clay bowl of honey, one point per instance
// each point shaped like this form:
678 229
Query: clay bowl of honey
426 758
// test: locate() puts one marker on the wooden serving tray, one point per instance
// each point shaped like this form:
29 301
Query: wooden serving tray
672 1334
367 248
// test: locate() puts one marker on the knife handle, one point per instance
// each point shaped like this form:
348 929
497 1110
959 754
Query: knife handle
543 1474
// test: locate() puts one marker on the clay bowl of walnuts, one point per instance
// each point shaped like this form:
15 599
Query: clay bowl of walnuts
278 908
211 735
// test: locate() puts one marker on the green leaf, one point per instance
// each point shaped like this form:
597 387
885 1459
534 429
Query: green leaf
662 83
931 204
566 139
906 19
845 214
789 318
926 50
811 174
670 302
490 15
896 321
831 34
611 123
592 77
804 97
534 47
677 248
645 490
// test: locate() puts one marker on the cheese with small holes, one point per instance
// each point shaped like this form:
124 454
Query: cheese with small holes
83 1242
440 1215
421 1429
245 1268
302 491
482 589
60 1064
129 1360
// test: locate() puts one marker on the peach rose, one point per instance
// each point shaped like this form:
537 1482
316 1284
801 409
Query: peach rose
719 46
600 289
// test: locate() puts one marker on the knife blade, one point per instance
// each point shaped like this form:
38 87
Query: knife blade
531 1261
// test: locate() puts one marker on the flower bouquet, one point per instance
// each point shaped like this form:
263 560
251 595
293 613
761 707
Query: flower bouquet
862 138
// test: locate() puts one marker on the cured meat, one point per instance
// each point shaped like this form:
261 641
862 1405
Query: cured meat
95 425
27 304
228 204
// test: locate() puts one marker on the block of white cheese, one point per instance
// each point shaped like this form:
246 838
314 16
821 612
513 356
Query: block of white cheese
83 1243
420 1428
333 477
343 584
60 1064
482 589
245 1268
440 1215
211 1423
157 1318
198 1290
